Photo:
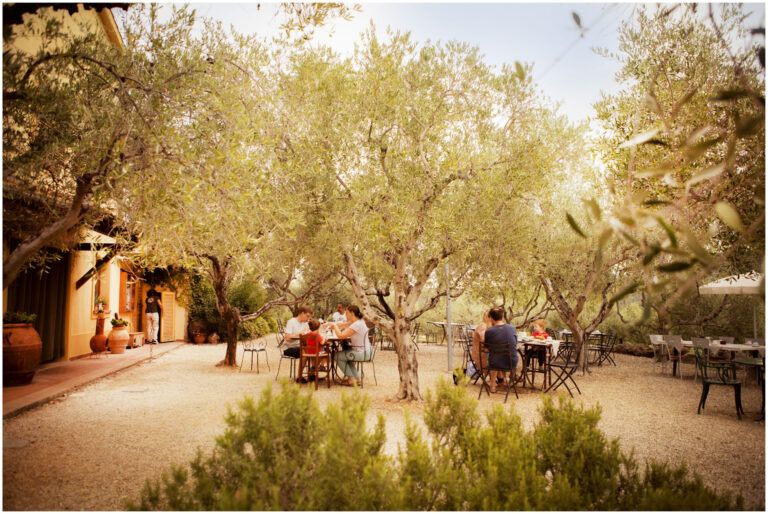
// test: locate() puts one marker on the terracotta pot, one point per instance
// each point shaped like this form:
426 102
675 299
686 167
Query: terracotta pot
199 338
22 349
99 340
118 339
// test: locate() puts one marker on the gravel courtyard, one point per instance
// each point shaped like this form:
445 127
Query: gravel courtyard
93 448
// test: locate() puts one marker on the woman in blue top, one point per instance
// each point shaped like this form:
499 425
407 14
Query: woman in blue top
499 335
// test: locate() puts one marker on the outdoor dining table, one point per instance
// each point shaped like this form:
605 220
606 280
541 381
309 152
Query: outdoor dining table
444 326
551 345
333 345
715 344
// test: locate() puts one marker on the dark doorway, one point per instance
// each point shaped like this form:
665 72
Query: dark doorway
45 294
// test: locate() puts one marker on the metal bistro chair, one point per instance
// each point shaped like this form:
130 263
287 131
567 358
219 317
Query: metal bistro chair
604 347
414 335
280 347
467 362
747 360
660 351
679 353
374 336
497 350
716 373
564 366
256 347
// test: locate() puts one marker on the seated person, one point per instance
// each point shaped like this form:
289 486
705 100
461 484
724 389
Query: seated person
539 331
311 344
500 333
340 316
296 326
360 346
479 357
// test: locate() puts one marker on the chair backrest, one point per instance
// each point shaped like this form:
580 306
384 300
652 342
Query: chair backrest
498 348
700 342
566 353
280 338
656 338
751 340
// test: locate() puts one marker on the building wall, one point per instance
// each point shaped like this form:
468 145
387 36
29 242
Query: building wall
81 322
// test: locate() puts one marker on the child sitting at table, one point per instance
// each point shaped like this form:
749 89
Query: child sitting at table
539 331
311 345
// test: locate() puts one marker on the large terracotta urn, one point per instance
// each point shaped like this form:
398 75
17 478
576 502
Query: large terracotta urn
99 340
22 349
118 339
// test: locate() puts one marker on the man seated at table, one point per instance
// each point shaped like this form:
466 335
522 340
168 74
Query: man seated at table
340 316
296 326
500 333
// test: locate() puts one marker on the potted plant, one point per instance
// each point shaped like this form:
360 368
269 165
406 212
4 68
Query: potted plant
119 337
199 337
22 348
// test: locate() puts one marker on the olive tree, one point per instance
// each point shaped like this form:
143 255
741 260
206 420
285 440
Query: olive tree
434 148
685 146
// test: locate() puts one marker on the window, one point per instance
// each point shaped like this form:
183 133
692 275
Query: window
99 296
128 285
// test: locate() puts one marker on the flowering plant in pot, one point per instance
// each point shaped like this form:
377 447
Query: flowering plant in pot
22 348
119 337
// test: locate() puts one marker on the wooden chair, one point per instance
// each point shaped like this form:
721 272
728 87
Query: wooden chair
315 361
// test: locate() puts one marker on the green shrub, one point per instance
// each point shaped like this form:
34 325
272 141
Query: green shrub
246 293
283 453
19 317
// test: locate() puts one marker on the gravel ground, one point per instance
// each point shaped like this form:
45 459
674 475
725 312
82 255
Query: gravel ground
95 447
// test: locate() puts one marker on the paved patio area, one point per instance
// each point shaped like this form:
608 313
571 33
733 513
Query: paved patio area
54 379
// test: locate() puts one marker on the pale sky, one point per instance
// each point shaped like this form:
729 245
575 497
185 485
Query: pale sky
566 68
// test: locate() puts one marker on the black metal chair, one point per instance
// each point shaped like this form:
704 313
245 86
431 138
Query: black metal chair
716 373
605 348
564 365
256 347
503 352
467 357
414 335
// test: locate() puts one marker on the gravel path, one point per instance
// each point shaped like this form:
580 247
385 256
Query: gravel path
93 448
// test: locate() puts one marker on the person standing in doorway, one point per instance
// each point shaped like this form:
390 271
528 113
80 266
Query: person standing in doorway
153 307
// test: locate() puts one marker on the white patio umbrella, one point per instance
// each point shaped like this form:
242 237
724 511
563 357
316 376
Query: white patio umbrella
748 283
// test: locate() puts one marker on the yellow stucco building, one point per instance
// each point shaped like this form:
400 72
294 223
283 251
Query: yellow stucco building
65 297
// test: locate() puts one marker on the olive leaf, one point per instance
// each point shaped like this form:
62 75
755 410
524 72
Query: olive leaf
668 229
674 266
706 174
728 214
631 288
640 138
575 226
